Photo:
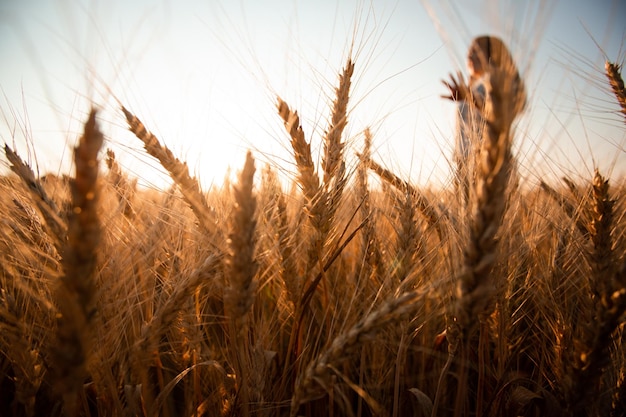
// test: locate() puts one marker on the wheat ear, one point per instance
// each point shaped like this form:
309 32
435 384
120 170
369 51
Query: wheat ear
26 174
420 199
240 293
54 222
369 242
178 170
242 266
307 178
333 163
76 289
614 74
322 200
315 196
600 228
333 147
609 286
123 188
285 240
567 207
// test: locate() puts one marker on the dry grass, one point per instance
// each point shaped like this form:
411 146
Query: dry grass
337 298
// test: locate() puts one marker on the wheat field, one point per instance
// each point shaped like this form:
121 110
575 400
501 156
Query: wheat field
334 297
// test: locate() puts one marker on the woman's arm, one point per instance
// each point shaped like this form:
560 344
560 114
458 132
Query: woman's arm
461 91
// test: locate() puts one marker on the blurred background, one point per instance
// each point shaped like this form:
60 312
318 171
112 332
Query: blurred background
203 76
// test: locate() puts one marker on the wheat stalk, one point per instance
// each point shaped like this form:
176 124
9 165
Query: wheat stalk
318 372
166 313
146 350
619 397
322 200
285 241
21 344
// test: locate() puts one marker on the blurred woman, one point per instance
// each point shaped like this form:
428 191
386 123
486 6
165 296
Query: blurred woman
486 55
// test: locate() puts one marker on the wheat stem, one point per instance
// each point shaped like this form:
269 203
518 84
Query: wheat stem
318 373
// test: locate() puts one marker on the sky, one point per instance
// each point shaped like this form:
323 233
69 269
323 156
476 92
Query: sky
203 76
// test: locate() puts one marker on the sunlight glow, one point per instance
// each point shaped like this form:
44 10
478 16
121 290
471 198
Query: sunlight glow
204 76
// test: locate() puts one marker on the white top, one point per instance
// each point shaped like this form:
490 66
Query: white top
470 122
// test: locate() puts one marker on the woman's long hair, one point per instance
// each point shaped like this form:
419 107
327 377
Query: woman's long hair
495 56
